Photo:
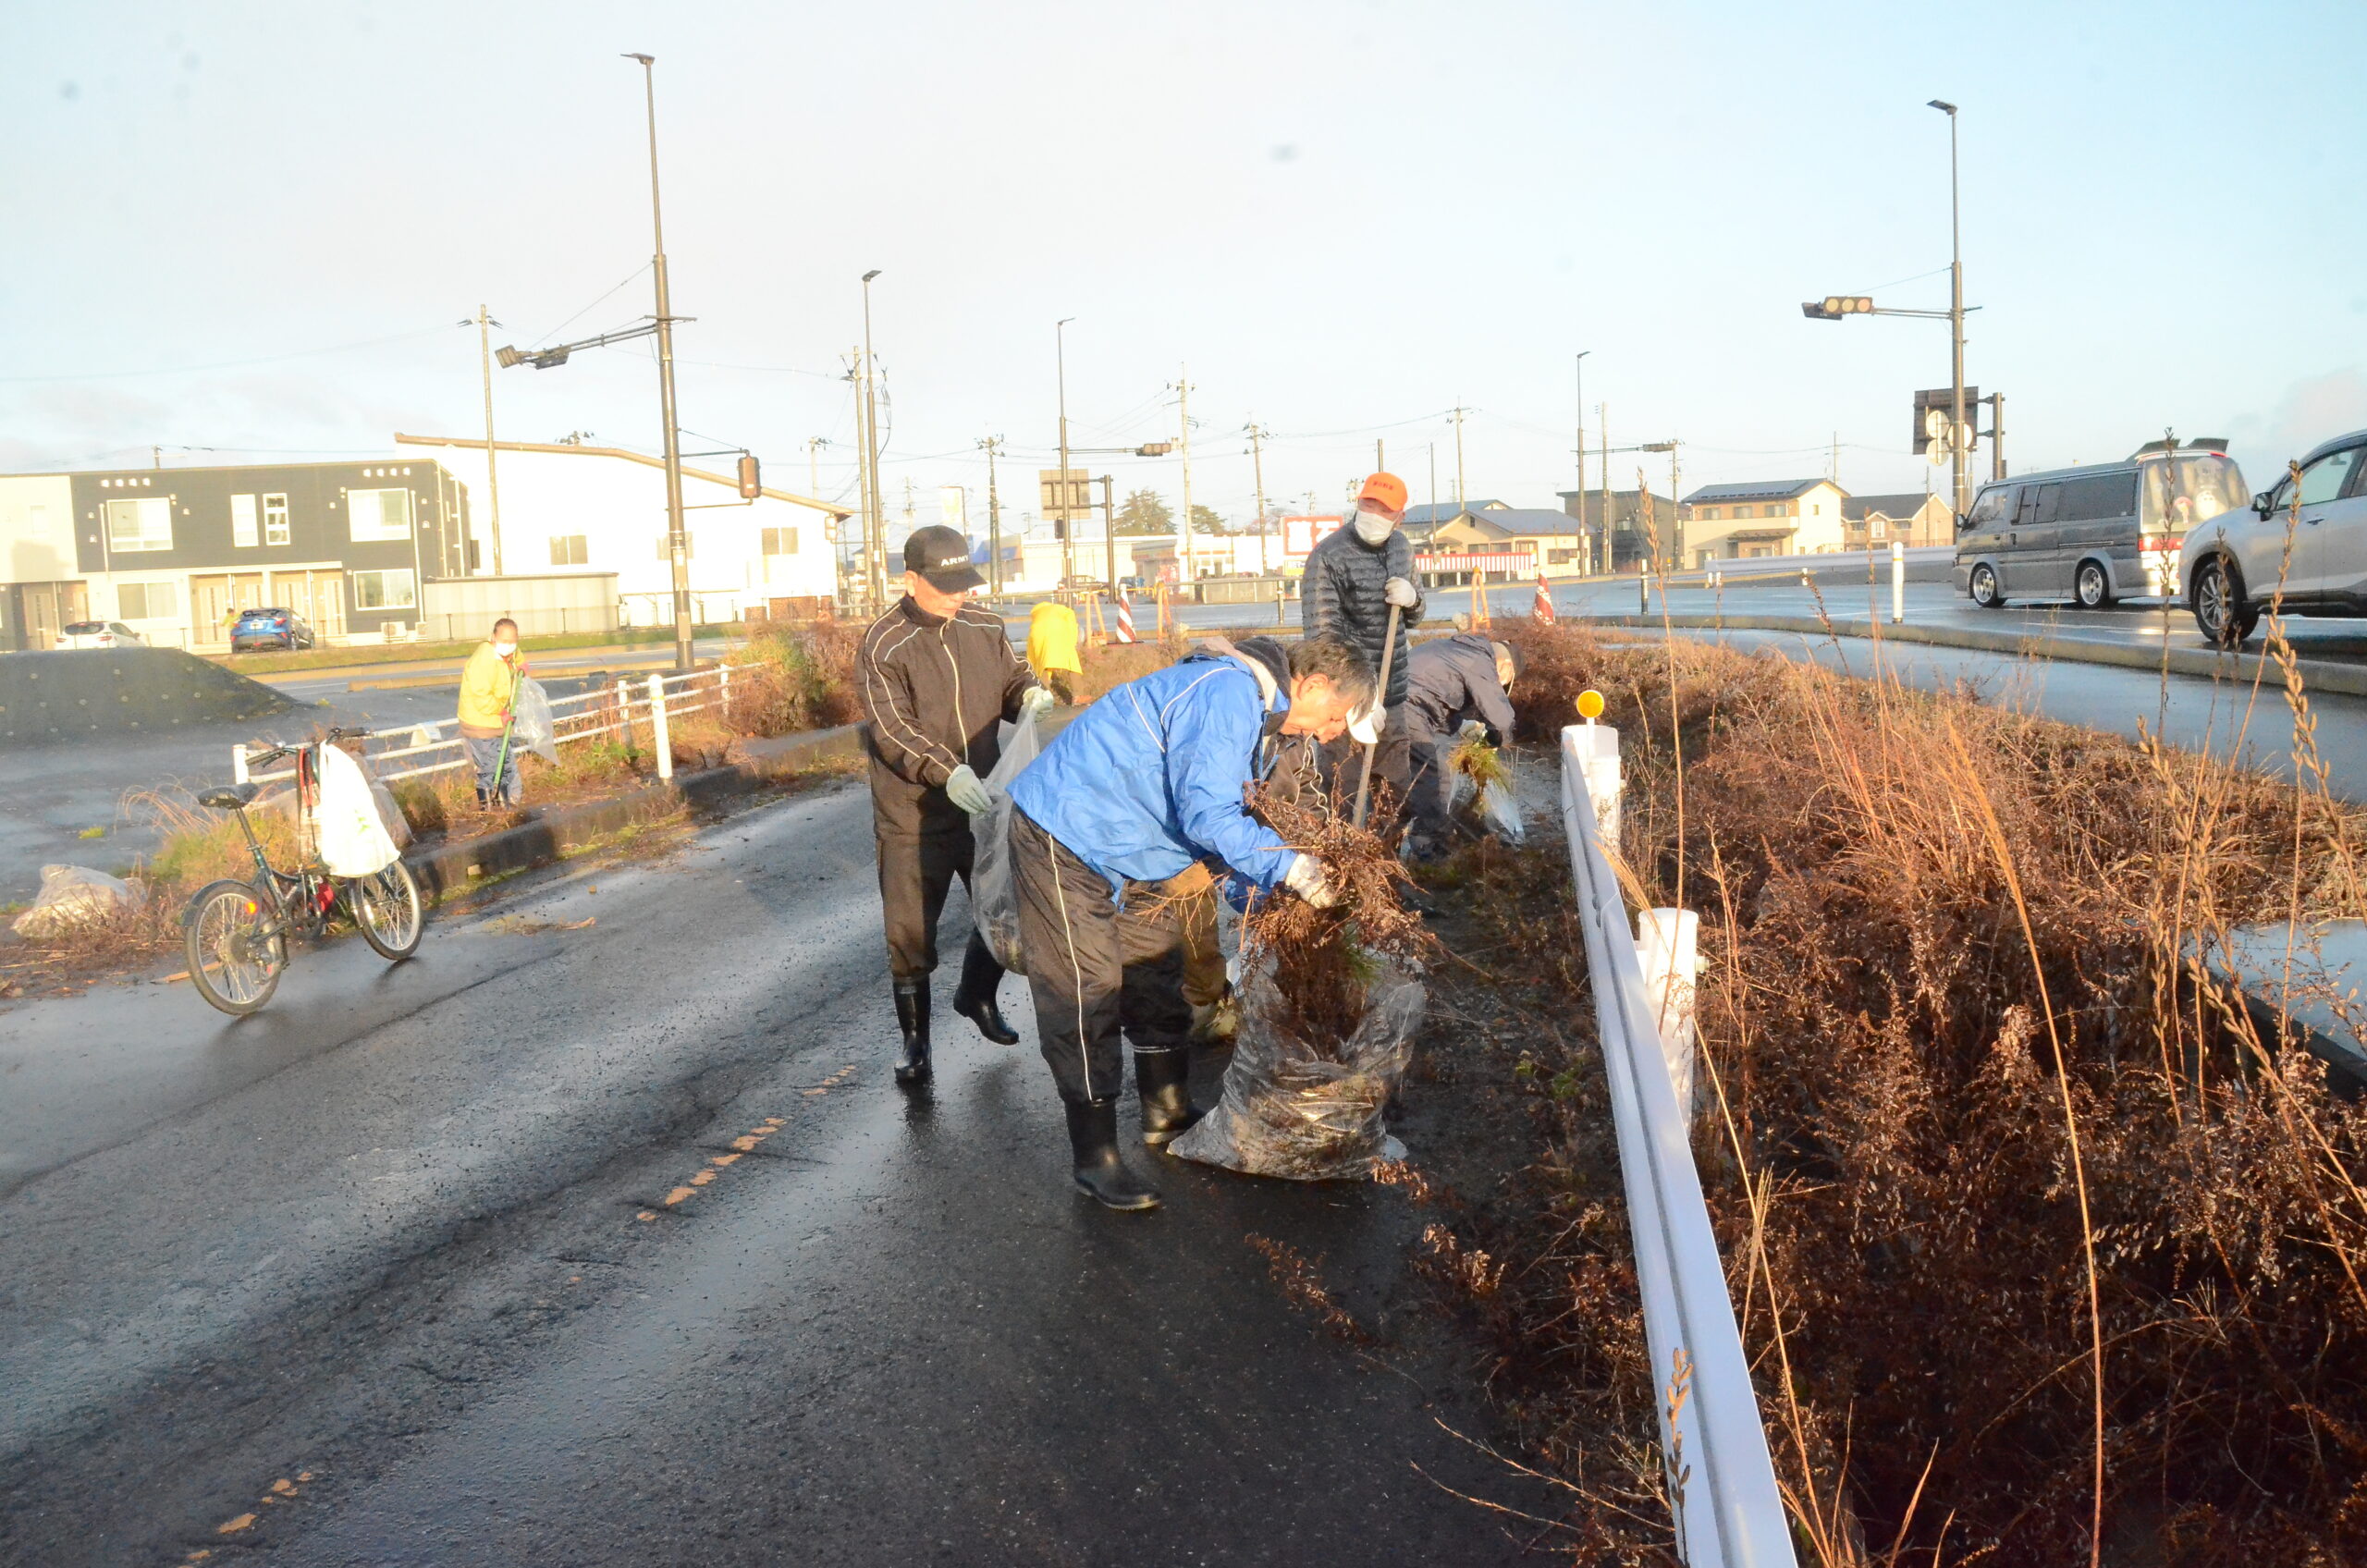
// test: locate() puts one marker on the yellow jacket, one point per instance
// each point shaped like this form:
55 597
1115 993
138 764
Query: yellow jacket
1051 640
487 686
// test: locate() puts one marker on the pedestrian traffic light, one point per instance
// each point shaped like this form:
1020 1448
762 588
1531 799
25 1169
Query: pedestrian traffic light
749 485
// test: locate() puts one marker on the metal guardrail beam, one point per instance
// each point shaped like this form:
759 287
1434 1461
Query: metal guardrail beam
1728 1512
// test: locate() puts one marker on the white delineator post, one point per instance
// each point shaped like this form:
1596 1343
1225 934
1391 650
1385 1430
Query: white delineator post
1668 944
1598 747
659 739
1898 581
238 763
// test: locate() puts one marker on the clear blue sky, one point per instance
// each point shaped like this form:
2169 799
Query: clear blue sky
1346 217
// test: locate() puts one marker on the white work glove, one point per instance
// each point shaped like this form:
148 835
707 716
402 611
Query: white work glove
966 789
1400 592
1305 878
1473 730
1364 724
1036 702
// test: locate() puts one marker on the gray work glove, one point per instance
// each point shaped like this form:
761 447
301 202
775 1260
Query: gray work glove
1305 878
1476 729
1036 702
966 789
1400 592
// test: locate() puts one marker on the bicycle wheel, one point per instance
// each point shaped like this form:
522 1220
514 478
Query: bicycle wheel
235 958
386 906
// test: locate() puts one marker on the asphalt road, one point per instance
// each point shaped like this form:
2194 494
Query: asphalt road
403 1242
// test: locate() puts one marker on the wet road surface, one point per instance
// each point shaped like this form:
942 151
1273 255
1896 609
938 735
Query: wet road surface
386 1243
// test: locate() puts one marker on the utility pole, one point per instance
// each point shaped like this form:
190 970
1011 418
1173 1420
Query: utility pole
1462 498
875 529
1832 464
678 542
1380 457
994 518
492 476
1257 469
1579 370
1603 430
1997 436
1960 458
1109 535
1183 415
1068 516
1434 486
813 464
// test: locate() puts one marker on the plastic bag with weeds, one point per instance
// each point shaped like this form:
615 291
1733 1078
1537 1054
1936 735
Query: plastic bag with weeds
72 896
531 729
1495 805
1304 1114
994 891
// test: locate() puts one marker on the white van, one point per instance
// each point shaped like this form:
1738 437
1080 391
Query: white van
2096 534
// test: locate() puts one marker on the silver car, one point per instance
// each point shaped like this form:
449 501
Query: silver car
2093 534
99 634
2302 548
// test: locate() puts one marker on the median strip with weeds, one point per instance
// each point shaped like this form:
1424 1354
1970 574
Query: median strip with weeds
2042 1251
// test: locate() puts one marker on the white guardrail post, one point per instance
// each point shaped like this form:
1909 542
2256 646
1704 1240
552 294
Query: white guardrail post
1720 1482
659 741
1898 581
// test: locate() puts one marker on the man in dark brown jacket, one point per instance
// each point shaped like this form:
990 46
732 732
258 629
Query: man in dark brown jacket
938 676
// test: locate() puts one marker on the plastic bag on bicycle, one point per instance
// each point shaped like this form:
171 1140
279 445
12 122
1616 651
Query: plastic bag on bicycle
353 840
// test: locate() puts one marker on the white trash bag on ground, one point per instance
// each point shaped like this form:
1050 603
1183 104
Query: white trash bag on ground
531 728
71 896
1293 1111
994 891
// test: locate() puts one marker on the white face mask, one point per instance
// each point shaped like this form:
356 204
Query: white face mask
1373 528
504 649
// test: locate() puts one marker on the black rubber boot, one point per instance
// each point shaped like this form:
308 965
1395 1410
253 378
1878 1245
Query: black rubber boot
974 997
1099 1173
911 1016
1164 1080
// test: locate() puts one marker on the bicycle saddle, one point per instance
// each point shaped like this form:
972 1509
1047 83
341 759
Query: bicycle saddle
229 797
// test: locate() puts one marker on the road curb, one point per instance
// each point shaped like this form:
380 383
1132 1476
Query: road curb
444 868
2317 675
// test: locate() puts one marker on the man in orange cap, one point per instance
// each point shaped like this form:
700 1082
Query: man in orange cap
1354 577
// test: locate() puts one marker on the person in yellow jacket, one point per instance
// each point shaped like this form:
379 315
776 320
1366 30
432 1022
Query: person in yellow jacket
1051 650
488 690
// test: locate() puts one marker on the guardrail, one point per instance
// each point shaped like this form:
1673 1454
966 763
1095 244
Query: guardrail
418 751
1720 1481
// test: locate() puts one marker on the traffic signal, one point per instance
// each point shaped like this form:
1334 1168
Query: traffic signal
1833 306
751 487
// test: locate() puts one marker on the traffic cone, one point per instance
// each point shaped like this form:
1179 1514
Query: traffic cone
1542 609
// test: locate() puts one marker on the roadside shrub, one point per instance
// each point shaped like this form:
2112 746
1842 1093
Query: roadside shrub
1982 1122
788 679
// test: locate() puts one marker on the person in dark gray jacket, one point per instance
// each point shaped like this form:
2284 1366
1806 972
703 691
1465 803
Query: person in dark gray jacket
1354 576
1454 685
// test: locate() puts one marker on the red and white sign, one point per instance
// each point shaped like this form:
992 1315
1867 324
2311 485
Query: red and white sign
1508 562
1301 535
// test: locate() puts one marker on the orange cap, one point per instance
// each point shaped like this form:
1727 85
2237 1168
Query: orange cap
1386 488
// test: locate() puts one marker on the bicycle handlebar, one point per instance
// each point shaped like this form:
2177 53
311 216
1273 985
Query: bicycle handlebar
276 753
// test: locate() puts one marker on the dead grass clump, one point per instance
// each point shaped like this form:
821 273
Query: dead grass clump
1111 665
788 679
2013 1199
1326 960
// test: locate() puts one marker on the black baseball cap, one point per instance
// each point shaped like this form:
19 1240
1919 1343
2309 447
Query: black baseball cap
942 556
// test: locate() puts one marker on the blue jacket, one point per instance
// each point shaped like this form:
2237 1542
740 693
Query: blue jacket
1151 777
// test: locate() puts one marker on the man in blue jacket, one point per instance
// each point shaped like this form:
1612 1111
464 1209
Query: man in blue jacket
1146 781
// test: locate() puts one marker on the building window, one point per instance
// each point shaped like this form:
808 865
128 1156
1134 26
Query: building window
690 547
274 520
1709 514
379 515
383 590
148 601
1742 511
242 523
781 542
140 525
1879 526
569 550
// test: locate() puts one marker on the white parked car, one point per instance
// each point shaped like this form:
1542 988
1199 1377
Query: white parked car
99 634
2234 565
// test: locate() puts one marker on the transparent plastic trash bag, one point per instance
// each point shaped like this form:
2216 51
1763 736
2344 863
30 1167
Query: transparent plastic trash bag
1309 1115
994 891
71 896
531 728
1498 810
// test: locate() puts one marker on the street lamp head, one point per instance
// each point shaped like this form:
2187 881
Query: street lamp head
644 59
1944 107
872 274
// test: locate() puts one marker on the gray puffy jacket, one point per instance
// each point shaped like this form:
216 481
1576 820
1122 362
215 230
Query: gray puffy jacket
1344 592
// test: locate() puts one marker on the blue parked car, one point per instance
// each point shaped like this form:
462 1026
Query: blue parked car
270 629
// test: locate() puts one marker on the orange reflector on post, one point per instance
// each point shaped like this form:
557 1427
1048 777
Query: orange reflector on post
1589 703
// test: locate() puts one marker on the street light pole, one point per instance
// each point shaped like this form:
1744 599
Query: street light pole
1580 368
875 529
994 518
1960 458
1068 513
678 546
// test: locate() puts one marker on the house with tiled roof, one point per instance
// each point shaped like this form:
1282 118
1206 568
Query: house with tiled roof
1875 523
1777 516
